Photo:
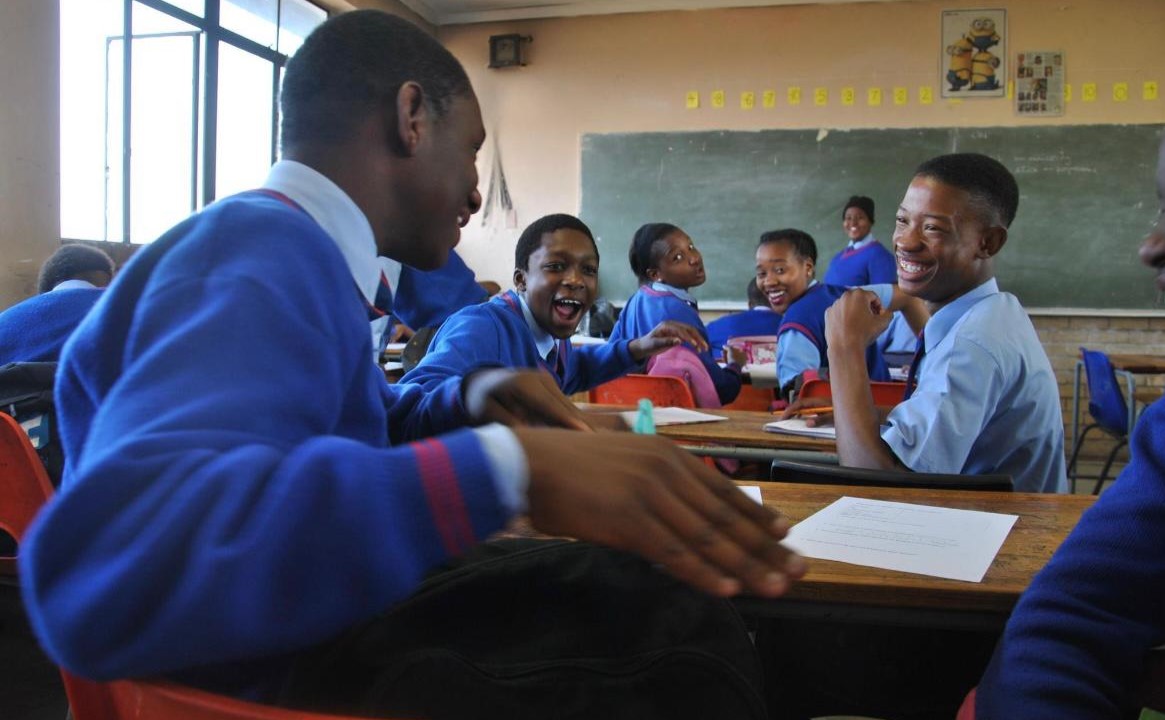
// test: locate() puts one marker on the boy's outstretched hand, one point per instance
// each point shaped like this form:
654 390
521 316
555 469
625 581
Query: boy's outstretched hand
519 398
645 495
667 334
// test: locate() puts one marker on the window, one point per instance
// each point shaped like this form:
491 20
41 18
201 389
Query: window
200 118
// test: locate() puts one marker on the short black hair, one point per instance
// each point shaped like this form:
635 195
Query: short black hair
70 262
984 178
756 298
356 62
642 254
531 238
802 242
861 202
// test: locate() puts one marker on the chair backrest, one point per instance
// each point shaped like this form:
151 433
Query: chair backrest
26 393
752 397
161 700
661 390
416 347
24 485
819 473
1106 404
683 363
886 394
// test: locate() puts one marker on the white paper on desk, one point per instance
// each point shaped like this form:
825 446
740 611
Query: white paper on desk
753 491
672 416
946 543
798 426
396 348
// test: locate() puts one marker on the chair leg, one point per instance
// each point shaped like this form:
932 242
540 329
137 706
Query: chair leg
1076 454
1108 465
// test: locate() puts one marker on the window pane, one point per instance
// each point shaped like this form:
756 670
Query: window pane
85 27
297 19
253 19
163 129
245 111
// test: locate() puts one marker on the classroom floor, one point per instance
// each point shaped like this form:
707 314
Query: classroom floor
30 687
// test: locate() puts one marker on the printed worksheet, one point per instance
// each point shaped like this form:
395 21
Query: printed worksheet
943 542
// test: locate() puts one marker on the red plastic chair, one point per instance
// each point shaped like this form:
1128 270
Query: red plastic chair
24 485
886 394
661 390
752 397
162 700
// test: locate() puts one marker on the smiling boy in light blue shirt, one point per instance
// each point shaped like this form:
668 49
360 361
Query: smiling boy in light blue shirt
982 396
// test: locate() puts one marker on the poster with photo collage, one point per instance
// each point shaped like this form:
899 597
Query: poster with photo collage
1039 83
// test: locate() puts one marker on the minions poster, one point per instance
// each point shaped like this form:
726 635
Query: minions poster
974 53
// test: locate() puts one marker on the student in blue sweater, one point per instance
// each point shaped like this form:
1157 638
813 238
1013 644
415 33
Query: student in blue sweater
70 282
785 261
1078 641
556 272
982 397
759 319
241 486
668 264
864 260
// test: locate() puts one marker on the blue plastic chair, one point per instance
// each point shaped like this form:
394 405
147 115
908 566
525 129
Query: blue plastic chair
1113 412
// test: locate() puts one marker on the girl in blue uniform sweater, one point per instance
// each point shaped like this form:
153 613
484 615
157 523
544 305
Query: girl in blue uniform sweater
668 264
785 261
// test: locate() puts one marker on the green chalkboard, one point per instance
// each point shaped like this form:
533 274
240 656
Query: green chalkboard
1087 199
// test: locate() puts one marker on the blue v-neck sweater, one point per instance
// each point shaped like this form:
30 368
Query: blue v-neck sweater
496 334
232 492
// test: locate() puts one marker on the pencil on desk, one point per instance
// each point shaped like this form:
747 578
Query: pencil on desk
808 411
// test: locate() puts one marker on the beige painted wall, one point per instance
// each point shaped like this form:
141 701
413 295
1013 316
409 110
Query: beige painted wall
29 148
618 73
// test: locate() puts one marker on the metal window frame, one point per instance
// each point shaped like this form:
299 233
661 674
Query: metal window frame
203 153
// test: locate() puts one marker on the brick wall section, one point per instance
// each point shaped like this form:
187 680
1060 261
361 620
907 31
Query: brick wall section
1063 337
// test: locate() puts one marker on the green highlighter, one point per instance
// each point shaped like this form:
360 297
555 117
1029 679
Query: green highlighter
645 418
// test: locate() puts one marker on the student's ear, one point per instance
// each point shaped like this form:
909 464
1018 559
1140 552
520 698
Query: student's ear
652 274
992 241
519 279
411 119
809 267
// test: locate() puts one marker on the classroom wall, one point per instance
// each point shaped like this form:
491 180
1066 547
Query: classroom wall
628 73
29 147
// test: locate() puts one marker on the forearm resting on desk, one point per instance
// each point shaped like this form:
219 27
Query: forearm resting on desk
859 443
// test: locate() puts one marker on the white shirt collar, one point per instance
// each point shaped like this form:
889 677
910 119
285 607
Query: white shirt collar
856 244
544 341
74 284
678 292
340 218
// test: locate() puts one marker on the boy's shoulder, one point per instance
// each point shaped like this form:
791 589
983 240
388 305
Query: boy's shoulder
249 234
504 310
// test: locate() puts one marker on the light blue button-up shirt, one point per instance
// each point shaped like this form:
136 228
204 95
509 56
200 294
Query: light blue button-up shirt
987 399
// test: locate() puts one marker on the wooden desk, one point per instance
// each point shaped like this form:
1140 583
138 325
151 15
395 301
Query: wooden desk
1139 364
741 436
863 594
